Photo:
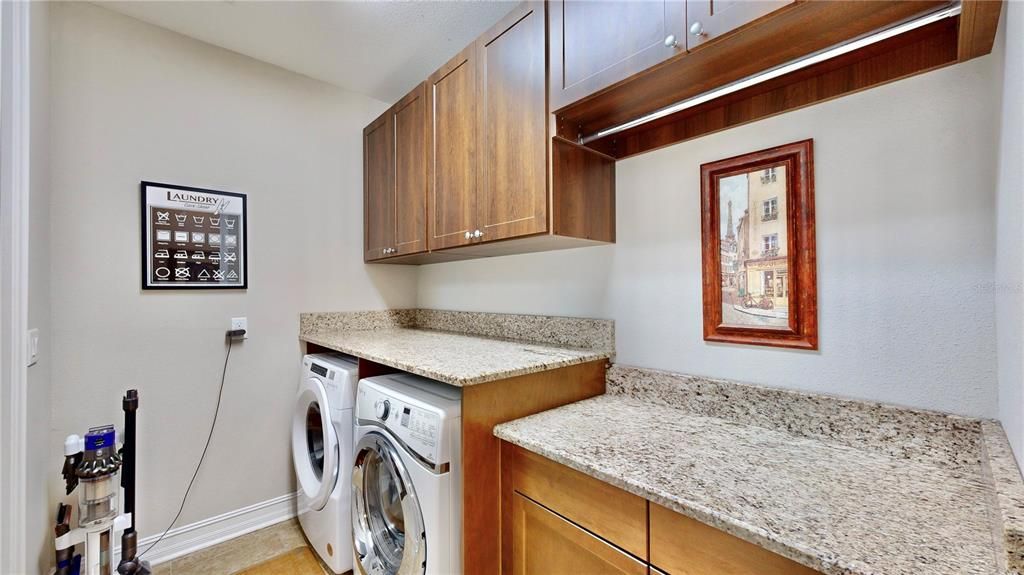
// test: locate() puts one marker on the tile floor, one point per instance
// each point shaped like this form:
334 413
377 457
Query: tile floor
239 553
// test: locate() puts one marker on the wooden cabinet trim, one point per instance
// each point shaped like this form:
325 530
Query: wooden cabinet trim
612 514
806 26
683 545
576 550
484 406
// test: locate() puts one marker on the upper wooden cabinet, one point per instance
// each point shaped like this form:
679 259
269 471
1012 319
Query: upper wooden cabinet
596 43
490 159
395 180
453 155
378 188
513 198
709 19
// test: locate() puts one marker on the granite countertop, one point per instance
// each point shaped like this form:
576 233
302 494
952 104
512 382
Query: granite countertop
830 505
453 358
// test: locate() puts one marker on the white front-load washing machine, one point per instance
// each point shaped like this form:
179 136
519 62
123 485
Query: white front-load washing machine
322 454
407 477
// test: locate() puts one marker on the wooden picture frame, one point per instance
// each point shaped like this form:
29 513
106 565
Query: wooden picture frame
759 268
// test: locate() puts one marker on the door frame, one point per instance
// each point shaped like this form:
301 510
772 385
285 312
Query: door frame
15 101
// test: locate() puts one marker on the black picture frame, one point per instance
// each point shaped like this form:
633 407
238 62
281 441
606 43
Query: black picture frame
149 280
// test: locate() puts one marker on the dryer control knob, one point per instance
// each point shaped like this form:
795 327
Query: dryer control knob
383 409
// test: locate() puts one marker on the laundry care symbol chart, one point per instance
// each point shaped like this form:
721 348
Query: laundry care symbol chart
193 238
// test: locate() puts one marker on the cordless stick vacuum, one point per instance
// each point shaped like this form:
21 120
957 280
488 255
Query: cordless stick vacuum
94 461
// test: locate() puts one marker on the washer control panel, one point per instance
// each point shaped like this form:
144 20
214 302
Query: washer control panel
411 415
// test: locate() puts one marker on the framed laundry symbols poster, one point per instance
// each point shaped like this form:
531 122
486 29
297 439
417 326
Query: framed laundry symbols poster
192 238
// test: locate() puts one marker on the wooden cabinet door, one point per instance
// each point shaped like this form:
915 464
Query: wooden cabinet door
684 546
543 542
513 199
454 152
378 188
409 117
596 43
709 19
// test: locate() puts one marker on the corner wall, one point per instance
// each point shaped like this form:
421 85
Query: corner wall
135 102
905 210
39 511
1010 230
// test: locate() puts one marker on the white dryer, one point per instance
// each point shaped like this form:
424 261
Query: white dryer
322 454
407 477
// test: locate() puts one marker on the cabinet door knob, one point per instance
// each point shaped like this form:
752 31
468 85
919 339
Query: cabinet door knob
670 41
478 234
697 29
469 235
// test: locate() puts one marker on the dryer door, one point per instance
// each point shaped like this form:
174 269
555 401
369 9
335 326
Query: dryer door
314 444
387 523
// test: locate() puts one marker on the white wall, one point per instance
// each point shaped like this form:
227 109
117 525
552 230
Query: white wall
131 102
39 531
1010 231
905 211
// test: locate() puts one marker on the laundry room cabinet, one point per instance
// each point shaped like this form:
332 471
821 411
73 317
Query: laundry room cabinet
395 179
598 43
497 182
558 520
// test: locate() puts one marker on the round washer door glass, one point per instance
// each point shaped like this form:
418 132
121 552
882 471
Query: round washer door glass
314 444
386 518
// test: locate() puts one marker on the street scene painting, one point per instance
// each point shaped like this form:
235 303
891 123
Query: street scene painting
759 268
755 267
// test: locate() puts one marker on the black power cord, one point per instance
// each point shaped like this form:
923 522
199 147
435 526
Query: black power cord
231 335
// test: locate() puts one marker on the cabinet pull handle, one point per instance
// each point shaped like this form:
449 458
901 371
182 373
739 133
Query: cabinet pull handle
697 29
670 41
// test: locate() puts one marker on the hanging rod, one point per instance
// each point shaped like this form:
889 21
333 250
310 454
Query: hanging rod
781 70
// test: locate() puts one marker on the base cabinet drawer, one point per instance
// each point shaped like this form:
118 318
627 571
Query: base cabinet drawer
543 542
684 546
598 507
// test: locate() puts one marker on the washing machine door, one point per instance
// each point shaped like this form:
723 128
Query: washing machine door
314 444
387 523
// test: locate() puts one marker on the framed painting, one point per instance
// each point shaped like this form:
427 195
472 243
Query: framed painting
757 228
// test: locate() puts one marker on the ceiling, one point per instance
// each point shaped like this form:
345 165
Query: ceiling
381 49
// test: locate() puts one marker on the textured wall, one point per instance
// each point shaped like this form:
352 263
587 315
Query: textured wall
905 210
1009 282
134 102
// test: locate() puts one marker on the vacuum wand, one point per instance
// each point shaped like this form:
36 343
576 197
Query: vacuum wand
130 563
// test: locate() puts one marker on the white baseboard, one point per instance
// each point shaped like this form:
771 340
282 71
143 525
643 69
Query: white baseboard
213 530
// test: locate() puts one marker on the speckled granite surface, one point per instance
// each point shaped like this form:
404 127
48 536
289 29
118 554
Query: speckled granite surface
356 320
576 332
835 508
561 331
925 436
453 358
1001 467
461 348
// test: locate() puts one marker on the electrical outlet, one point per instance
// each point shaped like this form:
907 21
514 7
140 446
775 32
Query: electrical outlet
241 323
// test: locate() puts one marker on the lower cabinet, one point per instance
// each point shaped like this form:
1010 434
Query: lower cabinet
558 521
544 542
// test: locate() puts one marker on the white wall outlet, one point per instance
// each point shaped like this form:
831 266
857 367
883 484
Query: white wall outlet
241 323
33 347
